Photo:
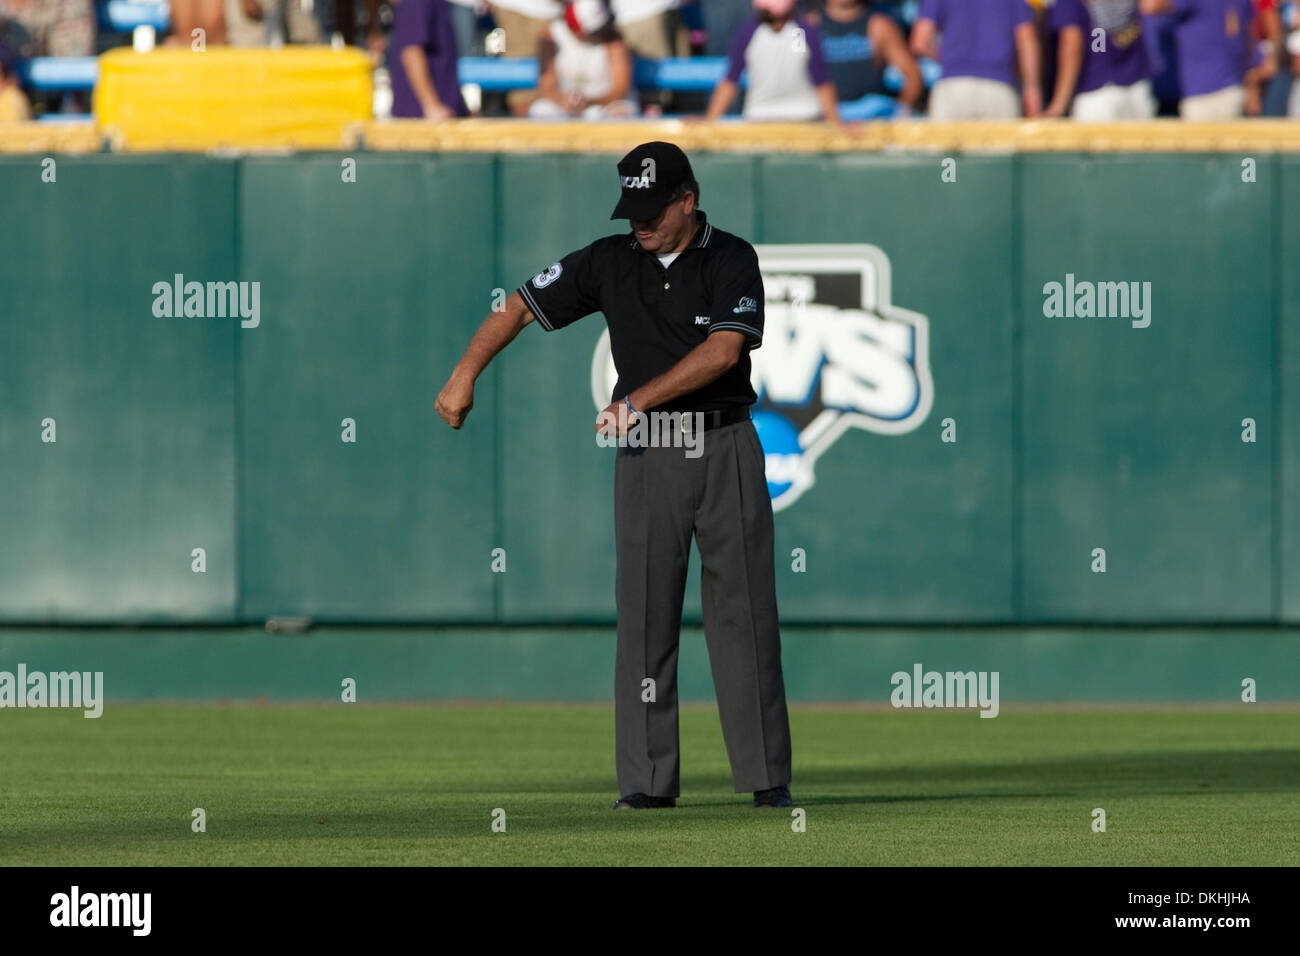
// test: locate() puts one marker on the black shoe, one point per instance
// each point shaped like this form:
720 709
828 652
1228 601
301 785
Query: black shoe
641 801
776 797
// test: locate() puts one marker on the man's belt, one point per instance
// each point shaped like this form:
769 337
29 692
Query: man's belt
689 421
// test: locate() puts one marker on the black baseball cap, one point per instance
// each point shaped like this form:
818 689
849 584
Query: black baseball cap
649 175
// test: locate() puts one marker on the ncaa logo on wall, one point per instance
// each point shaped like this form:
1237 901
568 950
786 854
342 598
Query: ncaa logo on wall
837 354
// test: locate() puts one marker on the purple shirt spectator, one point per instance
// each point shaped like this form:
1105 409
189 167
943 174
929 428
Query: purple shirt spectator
1162 54
978 37
1124 61
1213 39
426 24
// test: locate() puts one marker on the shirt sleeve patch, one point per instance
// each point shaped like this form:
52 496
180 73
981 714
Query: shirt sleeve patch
543 279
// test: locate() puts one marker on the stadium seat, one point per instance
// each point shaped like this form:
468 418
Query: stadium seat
123 16
931 73
678 74
682 75
59 72
872 107
498 74
70 119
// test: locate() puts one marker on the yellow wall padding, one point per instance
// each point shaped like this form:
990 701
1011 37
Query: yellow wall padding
1166 135
50 138
306 97
1158 136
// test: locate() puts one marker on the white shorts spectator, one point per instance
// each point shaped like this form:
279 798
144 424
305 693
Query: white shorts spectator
973 97
549 109
1225 104
1115 102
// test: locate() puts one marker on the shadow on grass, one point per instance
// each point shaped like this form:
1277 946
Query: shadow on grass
582 805
822 801
1157 771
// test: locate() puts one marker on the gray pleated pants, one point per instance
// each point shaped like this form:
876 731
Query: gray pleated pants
661 498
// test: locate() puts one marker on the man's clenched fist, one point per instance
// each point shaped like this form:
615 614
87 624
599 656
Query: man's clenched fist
454 401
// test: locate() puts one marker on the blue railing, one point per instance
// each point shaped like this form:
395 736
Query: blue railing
59 72
681 75
123 16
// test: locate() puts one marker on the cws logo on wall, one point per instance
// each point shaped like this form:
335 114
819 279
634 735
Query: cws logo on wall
837 354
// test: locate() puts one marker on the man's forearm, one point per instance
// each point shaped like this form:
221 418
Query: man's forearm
720 102
496 332
417 72
703 364
1027 50
1069 65
923 39
620 71
829 102
913 83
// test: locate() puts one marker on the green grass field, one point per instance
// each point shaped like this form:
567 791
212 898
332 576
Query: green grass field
417 785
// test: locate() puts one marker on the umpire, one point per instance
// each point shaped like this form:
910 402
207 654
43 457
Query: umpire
684 304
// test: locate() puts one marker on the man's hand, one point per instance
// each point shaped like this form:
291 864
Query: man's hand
1032 101
575 103
438 111
615 420
497 331
454 401
1254 104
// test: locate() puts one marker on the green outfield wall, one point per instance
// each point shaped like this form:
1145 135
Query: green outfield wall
175 433
1034 665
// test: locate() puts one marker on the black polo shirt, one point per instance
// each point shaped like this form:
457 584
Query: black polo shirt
655 314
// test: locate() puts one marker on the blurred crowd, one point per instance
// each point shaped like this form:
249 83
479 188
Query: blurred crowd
837 61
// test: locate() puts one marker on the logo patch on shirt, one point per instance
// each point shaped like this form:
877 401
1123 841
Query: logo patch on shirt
701 320
543 279
746 305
